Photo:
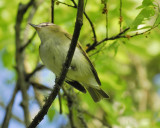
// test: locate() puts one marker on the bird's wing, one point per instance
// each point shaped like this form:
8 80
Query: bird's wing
76 85
87 58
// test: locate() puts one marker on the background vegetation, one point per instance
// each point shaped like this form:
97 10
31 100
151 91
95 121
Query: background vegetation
128 64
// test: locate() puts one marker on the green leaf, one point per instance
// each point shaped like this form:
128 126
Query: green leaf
146 3
145 14
51 113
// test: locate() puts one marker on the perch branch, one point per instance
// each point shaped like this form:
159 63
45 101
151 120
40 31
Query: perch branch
87 17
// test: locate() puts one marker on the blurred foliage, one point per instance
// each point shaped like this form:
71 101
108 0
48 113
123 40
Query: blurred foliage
126 67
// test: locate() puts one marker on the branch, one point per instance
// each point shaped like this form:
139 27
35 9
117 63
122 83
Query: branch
70 107
73 101
52 11
59 2
12 116
120 16
79 21
87 17
43 87
106 39
40 86
92 26
118 36
22 8
32 11
97 118
60 103
39 97
105 11
28 42
90 22
81 118
9 109
39 67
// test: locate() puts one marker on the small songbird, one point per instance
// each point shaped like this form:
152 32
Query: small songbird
53 50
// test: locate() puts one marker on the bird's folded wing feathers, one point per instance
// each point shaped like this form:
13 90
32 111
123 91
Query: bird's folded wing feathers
85 54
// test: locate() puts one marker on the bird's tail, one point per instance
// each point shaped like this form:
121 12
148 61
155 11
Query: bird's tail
97 93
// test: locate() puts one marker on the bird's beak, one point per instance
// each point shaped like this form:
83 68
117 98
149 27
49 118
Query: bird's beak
34 26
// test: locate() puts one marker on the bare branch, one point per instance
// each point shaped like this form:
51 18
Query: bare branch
79 21
28 42
60 103
70 107
52 11
73 101
39 67
106 39
40 86
92 26
12 116
81 118
97 118
59 2
105 11
87 17
120 16
118 36
9 109
22 8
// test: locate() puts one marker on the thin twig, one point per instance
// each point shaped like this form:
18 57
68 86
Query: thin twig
12 115
79 21
95 117
39 67
52 11
28 42
87 17
92 26
9 109
73 101
31 14
105 11
118 36
39 97
60 103
74 3
81 118
40 86
90 22
59 2
70 107
120 17
105 39
22 9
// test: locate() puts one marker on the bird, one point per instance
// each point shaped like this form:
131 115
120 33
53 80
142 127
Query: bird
53 50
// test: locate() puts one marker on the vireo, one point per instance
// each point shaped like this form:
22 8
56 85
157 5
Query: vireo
53 50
